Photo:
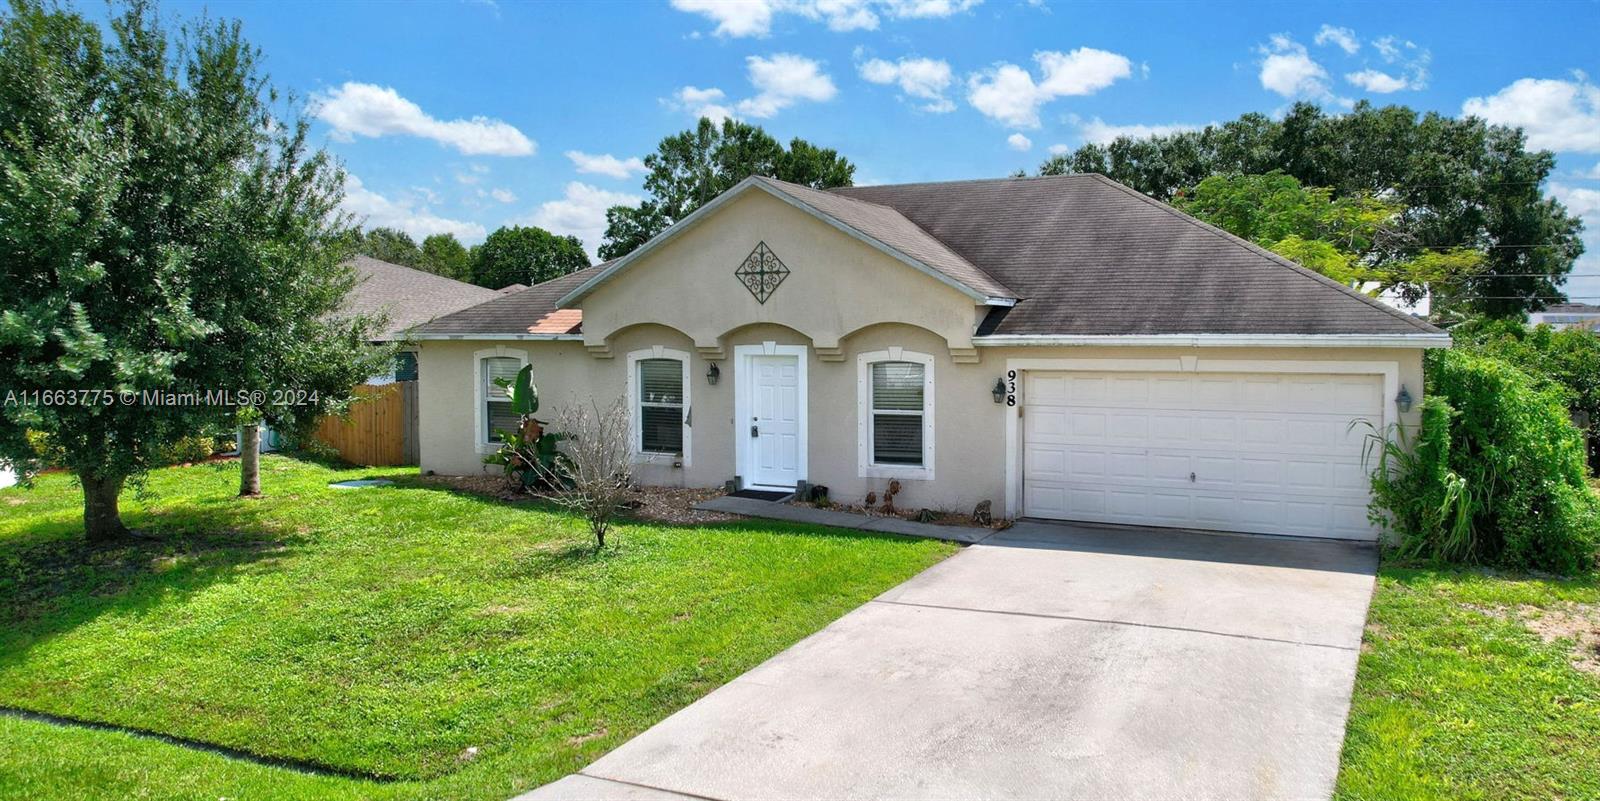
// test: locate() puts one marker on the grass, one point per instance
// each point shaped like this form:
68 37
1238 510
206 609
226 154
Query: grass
1456 698
383 632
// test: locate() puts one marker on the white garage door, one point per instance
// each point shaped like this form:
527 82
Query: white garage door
1264 453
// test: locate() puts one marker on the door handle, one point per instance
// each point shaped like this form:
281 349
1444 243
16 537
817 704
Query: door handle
754 431
1191 478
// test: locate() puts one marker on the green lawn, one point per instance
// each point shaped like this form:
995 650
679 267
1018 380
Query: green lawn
382 632
1457 699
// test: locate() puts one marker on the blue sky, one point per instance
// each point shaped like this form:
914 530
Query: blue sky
464 116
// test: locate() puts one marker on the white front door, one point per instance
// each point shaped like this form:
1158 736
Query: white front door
1269 453
772 419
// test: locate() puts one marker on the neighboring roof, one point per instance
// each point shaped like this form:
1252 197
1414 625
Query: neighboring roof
409 297
1570 308
878 226
509 288
1089 256
530 313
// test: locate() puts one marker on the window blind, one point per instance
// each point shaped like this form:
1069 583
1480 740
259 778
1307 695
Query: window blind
660 406
497 414
897 406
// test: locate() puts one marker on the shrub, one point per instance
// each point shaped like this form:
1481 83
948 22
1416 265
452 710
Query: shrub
193 448
1496 473
1567 361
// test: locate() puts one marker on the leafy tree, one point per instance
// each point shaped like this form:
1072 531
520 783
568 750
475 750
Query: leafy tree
443 255
391 245
525 255
1461 183
690 168
160 232
1350 239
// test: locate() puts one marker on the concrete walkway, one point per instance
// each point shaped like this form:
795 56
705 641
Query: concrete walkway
751 507
1048 662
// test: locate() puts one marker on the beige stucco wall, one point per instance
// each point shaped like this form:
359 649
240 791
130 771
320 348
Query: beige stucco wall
970 429
841 298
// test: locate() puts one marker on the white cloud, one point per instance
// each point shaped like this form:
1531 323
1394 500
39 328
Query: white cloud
1343 37
375 210
1287 69
733 17
1593 174
1557 115
373 111
1100 132
605 164
1392 49
1060 149
1019 142
503 195
1377 82
1006 93
701 103
1009 94
581 212
1581 202
1584 203
922 78
739 18
781 81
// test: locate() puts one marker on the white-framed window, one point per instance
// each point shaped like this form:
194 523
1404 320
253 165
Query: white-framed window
658 401
894 405
492 405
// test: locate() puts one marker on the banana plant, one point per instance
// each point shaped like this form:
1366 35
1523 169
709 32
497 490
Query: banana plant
529 454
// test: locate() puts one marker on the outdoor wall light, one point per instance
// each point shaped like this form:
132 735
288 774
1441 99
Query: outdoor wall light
712 374
999 390
1402 401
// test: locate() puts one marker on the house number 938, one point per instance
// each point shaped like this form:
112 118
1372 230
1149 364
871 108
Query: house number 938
1011 387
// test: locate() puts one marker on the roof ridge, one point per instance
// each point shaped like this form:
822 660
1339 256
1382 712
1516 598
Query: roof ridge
1012 293
1253 247
972 181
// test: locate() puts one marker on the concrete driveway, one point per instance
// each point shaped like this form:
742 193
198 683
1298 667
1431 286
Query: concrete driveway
1048 662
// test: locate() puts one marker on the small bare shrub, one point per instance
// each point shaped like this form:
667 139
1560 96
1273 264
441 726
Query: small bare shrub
596 463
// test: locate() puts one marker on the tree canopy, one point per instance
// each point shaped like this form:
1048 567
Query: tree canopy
443 254
1459 183
391 245
525 255
162 234
1358 239
690 168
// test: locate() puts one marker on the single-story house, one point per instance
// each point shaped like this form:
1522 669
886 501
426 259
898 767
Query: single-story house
1064 347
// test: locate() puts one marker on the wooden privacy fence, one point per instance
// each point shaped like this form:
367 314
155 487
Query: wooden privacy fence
380 428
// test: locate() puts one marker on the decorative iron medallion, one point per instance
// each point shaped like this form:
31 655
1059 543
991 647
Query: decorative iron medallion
761 272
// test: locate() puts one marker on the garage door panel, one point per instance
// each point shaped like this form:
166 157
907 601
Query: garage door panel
1047 462
1085 464
1267 453
1128 465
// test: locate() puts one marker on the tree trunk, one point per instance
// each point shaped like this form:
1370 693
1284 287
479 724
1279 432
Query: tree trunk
250 460
101 520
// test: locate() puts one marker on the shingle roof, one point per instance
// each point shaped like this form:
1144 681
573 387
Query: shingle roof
1089 256
527 311
890 227
410 297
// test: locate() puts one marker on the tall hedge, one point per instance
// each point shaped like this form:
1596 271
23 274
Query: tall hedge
1496 475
